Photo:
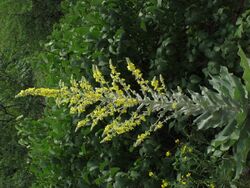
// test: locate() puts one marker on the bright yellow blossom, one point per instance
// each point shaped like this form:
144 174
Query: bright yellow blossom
183 182
177 141
174 105
150 174
188 174
164 183
45 92
159 125
110 100
141 138
212 185
98 75
168 154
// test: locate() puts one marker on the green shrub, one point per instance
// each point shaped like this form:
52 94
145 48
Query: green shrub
24 24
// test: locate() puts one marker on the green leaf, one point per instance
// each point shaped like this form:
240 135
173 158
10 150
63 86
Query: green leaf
242 150
114 170
194 79
159 3
143 26
245 64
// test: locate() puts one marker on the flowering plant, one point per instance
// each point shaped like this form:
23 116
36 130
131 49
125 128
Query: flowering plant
224 107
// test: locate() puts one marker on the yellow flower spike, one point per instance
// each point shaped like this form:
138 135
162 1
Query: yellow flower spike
112 67
138 76
113 100
98 75
142 118
141 138
44 92
137 73
101 112
155 84
163 86
115 75
106 139
159 125
130 65
82 123
168 154
85 85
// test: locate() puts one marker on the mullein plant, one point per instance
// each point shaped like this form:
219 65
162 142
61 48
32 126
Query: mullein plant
224 107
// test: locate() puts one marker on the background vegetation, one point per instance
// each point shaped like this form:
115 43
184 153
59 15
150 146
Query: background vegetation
43 42
23 25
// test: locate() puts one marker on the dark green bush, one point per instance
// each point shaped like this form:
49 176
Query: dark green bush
24 24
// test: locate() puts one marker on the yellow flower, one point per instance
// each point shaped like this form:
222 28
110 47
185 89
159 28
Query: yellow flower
159 125
212 185
183 149
141 138
155 83
150 174
130 66
138 76
183 182
82 123
168 154
174 105
188 175
164 183
98 75
137 73
177 141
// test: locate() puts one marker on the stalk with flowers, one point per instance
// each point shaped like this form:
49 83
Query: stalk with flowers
223 107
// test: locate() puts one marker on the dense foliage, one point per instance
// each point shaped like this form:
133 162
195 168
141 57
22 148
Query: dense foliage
184 41
23 25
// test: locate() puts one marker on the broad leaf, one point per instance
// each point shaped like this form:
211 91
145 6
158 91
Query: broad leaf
245 64
242 150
